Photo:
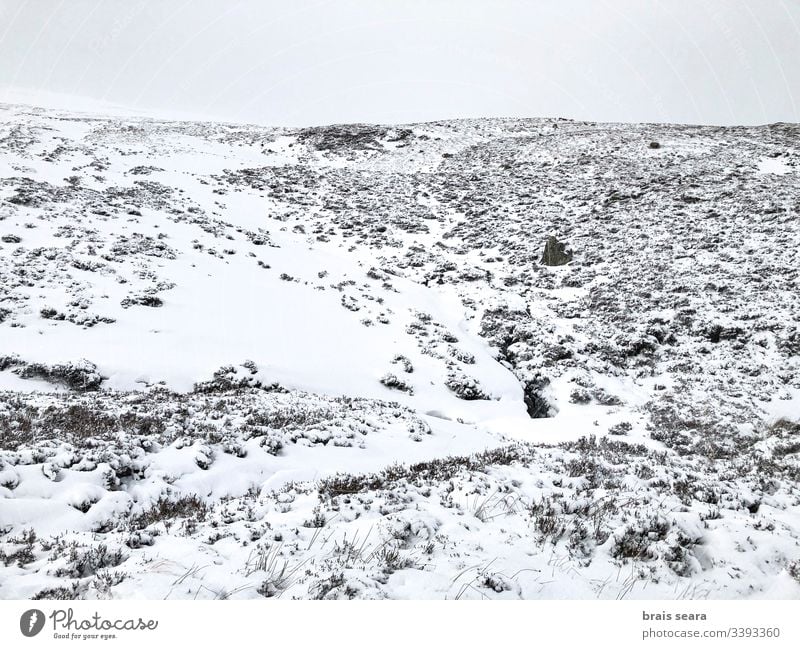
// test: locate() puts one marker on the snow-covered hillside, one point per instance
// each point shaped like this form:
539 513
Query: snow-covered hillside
330 362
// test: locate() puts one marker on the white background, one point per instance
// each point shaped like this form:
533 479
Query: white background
278 623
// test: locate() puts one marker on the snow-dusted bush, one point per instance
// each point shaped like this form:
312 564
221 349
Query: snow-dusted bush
466 387
793 568
393 382
81 376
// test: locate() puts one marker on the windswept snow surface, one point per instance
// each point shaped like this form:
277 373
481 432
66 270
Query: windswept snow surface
239 361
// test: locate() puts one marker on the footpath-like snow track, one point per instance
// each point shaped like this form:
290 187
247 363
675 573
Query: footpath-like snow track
238 361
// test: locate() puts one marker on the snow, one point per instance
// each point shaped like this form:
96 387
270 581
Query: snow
773 166
197 323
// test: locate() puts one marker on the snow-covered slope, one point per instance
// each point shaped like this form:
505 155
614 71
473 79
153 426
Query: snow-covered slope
329 362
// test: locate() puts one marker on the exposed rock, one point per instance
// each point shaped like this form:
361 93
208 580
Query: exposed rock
555 253
536 404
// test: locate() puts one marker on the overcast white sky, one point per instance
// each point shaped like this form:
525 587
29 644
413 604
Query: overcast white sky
314 62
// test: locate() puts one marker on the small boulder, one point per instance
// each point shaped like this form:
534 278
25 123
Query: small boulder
555 253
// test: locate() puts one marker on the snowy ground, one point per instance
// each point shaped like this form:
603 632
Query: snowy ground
249 362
